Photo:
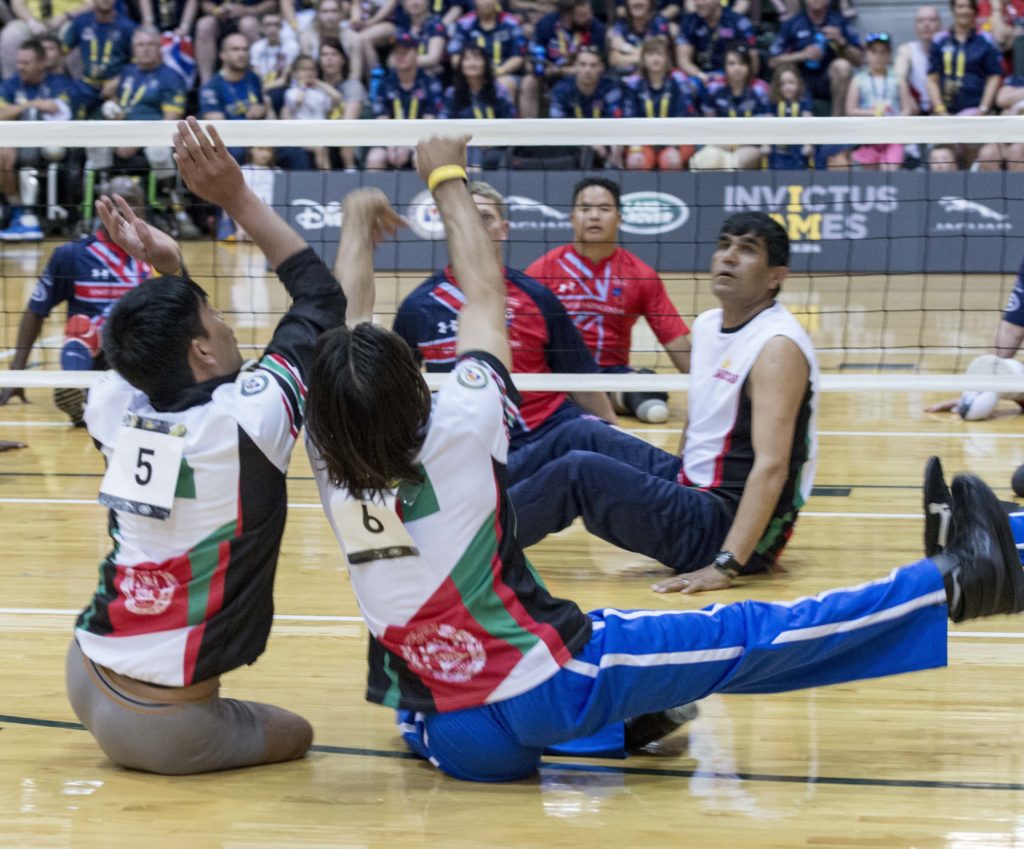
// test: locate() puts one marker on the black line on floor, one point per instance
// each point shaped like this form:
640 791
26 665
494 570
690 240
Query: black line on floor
555 766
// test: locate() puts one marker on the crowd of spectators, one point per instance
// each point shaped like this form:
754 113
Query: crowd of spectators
121 60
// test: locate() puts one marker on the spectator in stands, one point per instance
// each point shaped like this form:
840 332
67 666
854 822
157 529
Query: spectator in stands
913 57
148 90
370 20
100 42
30 95
310 99
27 19
963 69
1004 20
329 22
176 17
821 42
405 92
80 95
658 92
875 92
429 30
1010 97
500 34
734 97
705 34
627 34
222 18
606 289
943 158
353 95
475 93
789 99
668 9
591 94
296 17
272 56
557 37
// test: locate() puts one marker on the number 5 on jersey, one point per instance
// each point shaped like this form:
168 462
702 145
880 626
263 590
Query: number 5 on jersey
142 474
371 532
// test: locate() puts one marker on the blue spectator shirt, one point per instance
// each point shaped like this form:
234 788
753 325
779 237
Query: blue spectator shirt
560 44
709 45
676 98
423 98
800 31
105 48
500 107
505 41
607 101
1014 313
963 67
151 95
52 87
655 26
231 98
720 102
435 9
90 275
541 335
433 27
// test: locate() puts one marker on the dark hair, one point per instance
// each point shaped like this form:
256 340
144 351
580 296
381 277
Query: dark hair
36 46
463 96
147 336
762 225
601 182
738 48
974 5
333 44
367 408
42 38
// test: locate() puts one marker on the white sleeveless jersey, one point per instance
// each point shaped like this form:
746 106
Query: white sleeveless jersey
457 616
718 452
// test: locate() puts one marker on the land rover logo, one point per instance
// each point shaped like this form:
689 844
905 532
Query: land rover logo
650 213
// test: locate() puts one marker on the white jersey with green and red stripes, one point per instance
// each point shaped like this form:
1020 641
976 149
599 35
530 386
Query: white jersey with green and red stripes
457 616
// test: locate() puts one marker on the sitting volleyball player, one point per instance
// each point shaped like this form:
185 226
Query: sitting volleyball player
89 275
486 668
197 453
973 405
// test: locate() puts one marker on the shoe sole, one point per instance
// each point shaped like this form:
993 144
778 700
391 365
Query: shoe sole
937 513
987 508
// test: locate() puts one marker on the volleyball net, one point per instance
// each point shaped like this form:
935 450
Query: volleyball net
900 276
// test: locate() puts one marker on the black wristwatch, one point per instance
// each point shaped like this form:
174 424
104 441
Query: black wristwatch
726 563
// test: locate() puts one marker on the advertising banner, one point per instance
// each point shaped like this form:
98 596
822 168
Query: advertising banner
855 222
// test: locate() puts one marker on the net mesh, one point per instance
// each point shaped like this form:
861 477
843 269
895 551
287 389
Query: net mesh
895 274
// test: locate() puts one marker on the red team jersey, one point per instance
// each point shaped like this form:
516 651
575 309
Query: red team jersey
606 299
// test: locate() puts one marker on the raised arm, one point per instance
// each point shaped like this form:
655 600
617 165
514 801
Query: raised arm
210 172
367 220
473 258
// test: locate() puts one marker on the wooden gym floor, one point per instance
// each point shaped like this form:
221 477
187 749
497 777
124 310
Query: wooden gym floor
933 759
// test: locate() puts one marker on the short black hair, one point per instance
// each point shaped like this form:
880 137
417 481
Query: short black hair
367 409
601 182
760 224
36 46
147 336
974 4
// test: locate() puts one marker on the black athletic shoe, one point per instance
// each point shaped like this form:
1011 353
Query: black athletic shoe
645 729
980 566
72 402
937 513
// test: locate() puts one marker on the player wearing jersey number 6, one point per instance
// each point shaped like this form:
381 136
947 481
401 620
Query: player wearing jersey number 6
485 667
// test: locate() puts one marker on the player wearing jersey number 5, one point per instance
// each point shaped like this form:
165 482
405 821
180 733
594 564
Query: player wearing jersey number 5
197 452
486 668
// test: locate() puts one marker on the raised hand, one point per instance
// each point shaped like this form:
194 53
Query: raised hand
206 166
372 208
140 240
433 152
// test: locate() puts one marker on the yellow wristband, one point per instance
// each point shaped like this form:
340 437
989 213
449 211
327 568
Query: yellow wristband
445 173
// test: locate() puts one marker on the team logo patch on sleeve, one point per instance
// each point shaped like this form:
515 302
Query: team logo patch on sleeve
254 384
472 377
444 652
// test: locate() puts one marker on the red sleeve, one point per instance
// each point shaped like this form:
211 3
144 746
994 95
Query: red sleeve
538 270
661 314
